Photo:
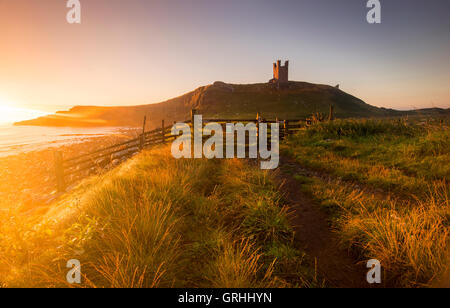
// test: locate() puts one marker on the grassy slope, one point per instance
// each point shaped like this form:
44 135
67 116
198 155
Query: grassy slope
388 191
159 222
298 101
221 100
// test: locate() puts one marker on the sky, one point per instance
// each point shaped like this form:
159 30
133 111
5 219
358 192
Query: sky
142 51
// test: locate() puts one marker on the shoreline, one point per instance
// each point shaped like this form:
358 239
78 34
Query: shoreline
28 179
25 139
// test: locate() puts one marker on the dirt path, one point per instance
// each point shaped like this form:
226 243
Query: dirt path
334 264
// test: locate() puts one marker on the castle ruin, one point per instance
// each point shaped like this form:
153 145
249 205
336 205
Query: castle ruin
280 74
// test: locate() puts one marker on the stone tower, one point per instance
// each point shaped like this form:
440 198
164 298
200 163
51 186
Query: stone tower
280 73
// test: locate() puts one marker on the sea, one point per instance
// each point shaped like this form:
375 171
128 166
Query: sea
19 139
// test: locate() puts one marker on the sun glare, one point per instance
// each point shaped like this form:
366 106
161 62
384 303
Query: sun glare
10 114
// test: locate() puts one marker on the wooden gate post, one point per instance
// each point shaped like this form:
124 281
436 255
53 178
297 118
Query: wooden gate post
59 171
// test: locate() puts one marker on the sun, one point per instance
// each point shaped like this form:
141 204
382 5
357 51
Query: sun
10 114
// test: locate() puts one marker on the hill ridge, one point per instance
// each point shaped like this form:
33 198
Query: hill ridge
220 99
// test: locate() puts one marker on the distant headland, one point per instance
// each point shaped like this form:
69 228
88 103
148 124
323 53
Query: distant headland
279 97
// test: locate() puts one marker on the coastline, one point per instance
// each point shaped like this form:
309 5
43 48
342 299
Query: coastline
18 139
28 180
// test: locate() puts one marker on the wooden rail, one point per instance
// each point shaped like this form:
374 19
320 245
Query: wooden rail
68 171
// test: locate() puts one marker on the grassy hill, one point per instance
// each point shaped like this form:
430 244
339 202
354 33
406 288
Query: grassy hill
298 100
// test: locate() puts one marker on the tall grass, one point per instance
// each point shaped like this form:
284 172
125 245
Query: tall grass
157 222
410 240
238 266
364 128
394 156
385 185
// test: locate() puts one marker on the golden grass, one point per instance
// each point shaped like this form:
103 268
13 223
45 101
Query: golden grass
239 266
409 238
385 185
154 222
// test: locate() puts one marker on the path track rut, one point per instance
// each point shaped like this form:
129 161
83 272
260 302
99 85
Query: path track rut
316 237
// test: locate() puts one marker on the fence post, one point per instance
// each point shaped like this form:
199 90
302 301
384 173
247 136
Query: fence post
59 171
286 128
143 126
331 115
142 140
258 120
163 132
257 127
193 113
276 122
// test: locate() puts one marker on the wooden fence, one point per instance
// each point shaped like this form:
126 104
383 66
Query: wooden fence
70 170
